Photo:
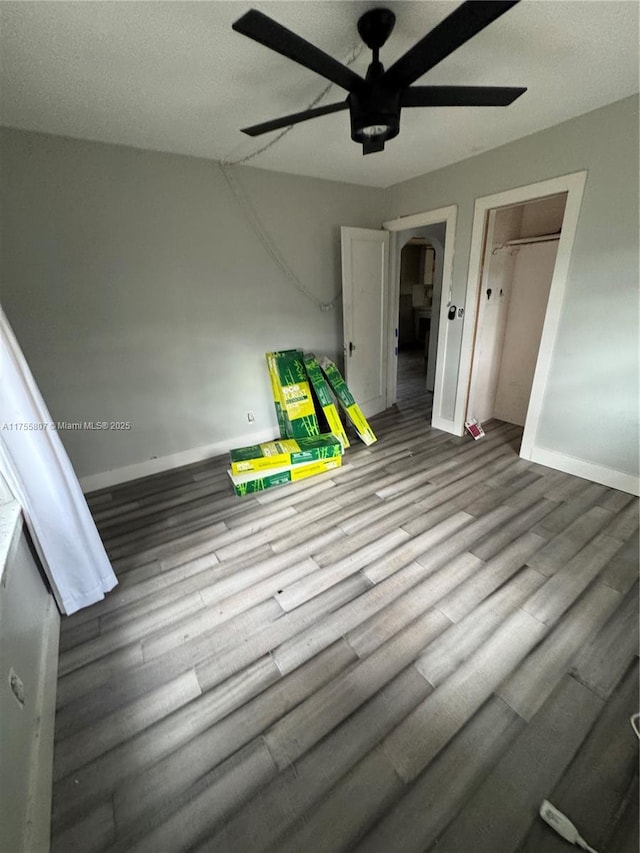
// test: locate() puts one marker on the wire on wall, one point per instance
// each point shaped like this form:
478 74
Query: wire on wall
258 229
251 214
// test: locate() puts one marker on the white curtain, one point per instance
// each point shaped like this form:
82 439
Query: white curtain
38 471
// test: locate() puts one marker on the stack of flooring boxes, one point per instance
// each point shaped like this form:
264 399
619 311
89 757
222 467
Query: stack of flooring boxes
302 449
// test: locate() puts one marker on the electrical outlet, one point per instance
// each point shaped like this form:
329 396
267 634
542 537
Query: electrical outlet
17 686
251 417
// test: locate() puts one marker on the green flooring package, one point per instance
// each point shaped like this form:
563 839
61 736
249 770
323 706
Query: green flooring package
276 393
298 412
345 398
285 451
325 399
246 484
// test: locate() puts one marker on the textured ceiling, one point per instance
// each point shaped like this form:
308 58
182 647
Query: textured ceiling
175 77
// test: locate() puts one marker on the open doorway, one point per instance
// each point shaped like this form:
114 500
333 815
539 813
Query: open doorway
519 256
437 228
419 271
420 288
420 264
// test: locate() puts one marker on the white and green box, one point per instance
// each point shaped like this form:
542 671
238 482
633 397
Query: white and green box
256 481
345 398
285 451
319 385
296 400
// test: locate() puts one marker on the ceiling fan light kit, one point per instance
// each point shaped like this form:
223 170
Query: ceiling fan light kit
375 102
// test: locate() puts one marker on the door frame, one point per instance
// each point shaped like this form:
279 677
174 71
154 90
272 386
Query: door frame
448 215
573 184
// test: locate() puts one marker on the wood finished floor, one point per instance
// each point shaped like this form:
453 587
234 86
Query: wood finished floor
407 654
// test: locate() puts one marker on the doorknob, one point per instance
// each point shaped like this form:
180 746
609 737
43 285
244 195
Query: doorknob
352 346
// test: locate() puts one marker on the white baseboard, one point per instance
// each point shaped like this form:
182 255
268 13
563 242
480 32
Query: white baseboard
588 470
94 482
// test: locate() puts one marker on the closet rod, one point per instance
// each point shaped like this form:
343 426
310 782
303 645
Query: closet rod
524 241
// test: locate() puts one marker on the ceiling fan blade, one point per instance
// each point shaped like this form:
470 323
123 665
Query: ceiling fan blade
370 146
460 96
461 25
294 118
271 34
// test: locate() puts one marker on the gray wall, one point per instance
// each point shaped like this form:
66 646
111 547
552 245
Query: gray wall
139 293
590 409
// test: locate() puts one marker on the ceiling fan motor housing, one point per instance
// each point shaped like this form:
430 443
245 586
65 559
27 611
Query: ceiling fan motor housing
374 106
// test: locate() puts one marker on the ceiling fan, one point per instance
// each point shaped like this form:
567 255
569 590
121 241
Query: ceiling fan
375 102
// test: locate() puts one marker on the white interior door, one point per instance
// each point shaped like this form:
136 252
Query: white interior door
531 282
365 284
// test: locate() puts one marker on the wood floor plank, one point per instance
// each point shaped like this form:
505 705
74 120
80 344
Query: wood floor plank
460 641
74 636
359 625
297 649
621 572
92 741
98 780
490 497
423 521
233 544
322 578
519 522
307 531
166 549
625 522
164 780
369 635
275 808
572 539
123 636
349 543
383 509
563 588
551 485
302 727
441 494
216 795
615 500
417 545
440 792
570 509
496 459
342 816
92 833
83 680
592 799
219 610
523 777
529 687
101 686
234 658
160 606
434 723
496 571
603 661
625 834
